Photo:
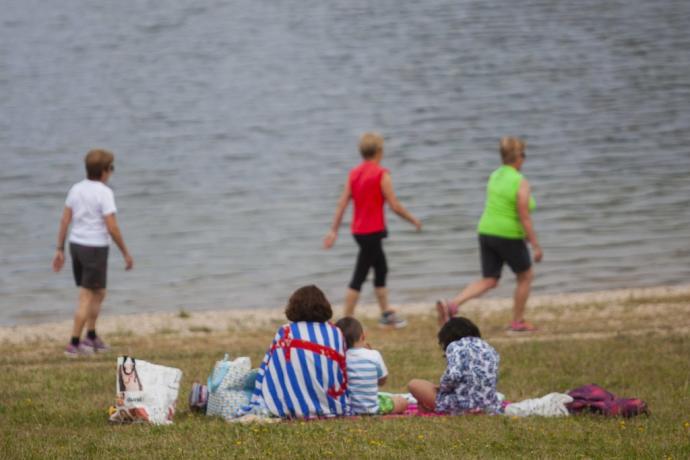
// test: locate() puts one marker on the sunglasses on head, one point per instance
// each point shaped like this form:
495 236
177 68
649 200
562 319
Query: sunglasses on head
111 168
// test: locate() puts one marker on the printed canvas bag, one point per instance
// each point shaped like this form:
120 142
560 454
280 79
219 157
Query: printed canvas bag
145 392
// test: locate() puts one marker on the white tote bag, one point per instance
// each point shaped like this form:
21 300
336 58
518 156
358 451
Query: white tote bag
146 392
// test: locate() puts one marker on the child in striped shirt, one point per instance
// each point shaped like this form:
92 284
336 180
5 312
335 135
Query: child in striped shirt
366 371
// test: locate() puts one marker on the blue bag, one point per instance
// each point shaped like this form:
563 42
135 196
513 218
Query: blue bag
230 386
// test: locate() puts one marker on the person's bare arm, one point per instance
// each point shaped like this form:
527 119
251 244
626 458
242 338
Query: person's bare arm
526 220
395 205
332 235
59 258
114 230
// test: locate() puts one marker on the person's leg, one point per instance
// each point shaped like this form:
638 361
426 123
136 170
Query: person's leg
516 255
94 279
97 296
399 405
389 316
492 265
351 298
447 309
362 266
382 298
475 289
522 290
81 315
380 273
425 394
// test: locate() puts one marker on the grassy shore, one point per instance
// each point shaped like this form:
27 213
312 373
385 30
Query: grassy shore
53 407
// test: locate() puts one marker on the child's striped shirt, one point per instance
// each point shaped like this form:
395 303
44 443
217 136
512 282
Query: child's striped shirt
364 369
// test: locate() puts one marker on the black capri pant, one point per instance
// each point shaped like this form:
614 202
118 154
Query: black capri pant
370 255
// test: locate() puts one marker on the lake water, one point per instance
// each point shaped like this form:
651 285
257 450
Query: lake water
234 125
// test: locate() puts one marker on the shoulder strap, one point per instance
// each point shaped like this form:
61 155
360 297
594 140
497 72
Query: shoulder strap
287 342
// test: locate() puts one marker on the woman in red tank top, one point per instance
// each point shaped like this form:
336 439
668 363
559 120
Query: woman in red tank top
369 185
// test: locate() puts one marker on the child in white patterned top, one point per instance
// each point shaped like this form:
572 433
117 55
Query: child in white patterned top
468 384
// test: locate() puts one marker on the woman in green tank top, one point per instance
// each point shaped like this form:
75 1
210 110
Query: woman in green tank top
504 227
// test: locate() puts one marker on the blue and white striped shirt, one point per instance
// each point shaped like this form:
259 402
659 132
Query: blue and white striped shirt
364 369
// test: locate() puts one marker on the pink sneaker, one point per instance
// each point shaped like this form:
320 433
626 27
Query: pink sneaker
521 326
75 351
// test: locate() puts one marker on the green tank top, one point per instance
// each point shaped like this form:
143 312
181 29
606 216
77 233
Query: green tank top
500 217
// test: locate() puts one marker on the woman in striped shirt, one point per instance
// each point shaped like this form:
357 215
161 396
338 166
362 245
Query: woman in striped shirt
303 373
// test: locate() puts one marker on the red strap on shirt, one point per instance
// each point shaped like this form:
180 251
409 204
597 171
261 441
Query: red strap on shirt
287 342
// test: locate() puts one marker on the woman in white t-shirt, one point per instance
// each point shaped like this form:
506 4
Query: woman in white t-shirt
90 208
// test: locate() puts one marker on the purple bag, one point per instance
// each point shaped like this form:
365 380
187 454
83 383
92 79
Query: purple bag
594 399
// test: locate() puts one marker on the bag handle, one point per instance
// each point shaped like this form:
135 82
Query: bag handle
219 372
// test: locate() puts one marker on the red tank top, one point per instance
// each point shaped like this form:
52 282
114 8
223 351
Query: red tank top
365 186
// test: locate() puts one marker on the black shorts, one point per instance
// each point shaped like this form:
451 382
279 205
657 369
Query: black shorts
89 265
496 250
370 255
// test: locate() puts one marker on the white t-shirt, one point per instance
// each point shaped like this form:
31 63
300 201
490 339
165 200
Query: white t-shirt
364 369
90 201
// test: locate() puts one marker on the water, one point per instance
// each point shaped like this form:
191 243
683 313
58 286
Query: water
234 125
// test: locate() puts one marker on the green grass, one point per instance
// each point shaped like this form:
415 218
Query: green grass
671 298
53 407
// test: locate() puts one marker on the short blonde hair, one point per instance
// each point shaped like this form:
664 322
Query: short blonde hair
510 148
97 161
370 144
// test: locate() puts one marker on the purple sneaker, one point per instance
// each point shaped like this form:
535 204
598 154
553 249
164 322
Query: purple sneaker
75 351
97 345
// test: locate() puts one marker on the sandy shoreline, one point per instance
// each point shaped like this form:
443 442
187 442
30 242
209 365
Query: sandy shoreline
233 320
